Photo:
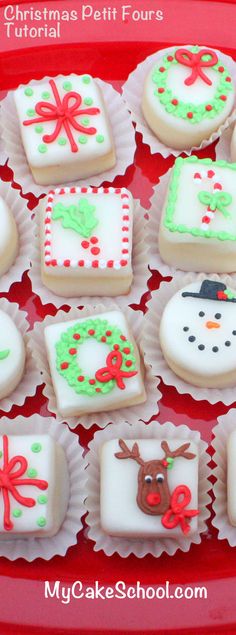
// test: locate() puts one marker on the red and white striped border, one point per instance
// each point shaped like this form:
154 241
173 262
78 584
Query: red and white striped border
88 263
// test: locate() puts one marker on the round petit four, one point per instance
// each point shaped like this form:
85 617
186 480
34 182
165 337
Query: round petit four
86 241
8 238
95 364
34 486
198 334
12 355
187 96
65 128
149 488
198 224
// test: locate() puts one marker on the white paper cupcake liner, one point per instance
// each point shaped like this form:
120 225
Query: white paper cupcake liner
133 90
31 376
21 214
122 129
46 548
151 346
223 150
141 547
139 263
226 425
131 414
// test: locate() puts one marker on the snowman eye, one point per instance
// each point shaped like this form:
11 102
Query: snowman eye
217 316
148 478
201 313
160 478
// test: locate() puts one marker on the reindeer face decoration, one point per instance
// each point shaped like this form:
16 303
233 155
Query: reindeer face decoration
153 496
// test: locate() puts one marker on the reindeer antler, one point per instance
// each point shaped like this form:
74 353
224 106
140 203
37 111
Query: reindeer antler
129 454
181 451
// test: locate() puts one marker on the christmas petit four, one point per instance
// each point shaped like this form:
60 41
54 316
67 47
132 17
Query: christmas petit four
187 95
34 486
231 478
86 241
64 128
198 334
198 225
8 238
149 488
95 364
12 355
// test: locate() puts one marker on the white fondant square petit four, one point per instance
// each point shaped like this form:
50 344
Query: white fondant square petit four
231 478
86 241
12 355
64 128
149 488
198 226
188 94
8 238
34 486
95 364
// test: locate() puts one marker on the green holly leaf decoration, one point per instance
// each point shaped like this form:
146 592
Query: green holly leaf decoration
78 217
4 354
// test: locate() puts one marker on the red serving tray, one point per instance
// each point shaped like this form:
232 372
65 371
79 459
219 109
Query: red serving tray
23 608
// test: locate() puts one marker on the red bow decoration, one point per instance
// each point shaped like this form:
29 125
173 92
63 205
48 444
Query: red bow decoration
113 370
10 479
196 62
177 513
64 113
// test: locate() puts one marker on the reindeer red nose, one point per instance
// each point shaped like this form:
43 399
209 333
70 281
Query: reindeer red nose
153 499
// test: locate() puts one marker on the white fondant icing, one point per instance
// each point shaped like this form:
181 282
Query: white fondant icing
12 350
178 132
120 514
8 238
114 216
49 465
189 251
92 356
216 328
58 163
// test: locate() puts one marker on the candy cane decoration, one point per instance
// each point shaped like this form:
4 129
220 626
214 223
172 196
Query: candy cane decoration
217 200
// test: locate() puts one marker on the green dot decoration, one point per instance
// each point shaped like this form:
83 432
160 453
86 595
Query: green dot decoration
62 141
67 86
42 499
0 454
88 101
29 92
36 447
99 138
41 521
86 79
38 129
85 121
42 148
31 472
46 95
82 139
16 513
30 112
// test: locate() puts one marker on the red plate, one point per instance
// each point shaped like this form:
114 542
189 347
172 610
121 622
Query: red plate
23 608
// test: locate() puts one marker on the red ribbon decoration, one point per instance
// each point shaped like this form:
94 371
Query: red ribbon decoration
113 370
196 62
177 513
64 113
10 479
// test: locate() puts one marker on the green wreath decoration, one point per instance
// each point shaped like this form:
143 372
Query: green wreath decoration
121 362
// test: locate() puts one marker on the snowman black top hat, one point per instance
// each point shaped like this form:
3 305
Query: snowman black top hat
212 290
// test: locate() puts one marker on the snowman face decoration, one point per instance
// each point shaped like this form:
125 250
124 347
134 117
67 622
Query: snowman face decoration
198 334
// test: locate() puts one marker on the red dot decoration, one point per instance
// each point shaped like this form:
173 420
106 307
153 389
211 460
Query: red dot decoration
126 350
64 365
98 389
91 332
228 79
128 363
116 347
76 336
92 382
223 97
85 244
95 251
190 115
162 69
221 69
123 338
103 338
94 240
72 351
161 90
208 107
80 378
170 58
108 333
175 102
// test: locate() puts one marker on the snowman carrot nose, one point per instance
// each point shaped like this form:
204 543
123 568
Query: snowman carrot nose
212 325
